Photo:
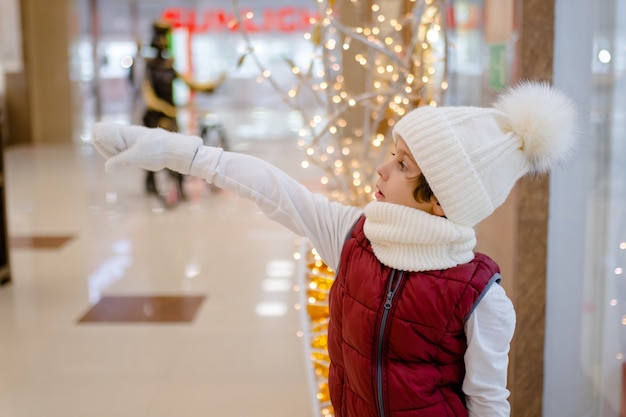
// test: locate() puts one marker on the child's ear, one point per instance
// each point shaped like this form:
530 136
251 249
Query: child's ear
437 209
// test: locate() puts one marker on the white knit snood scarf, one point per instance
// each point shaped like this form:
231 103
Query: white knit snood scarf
409 239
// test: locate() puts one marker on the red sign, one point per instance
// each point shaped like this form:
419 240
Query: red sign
284 19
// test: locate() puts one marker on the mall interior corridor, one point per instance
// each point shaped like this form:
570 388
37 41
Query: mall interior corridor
121 307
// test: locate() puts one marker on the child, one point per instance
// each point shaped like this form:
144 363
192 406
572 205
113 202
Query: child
418 323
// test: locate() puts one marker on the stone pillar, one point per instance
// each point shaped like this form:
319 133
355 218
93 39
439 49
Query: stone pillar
516 234
536 52
47 88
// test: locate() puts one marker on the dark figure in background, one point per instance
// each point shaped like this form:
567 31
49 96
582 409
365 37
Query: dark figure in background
157 91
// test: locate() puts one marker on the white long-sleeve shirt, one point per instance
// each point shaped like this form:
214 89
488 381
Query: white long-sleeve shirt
490 327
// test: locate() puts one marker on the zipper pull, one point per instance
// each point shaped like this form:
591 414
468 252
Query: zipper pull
392 289
388 301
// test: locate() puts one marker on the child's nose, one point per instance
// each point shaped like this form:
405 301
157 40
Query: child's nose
380 171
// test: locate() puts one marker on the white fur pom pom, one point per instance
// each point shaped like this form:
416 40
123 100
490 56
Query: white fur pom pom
546 121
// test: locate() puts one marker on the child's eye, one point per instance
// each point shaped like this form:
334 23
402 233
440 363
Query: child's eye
402 165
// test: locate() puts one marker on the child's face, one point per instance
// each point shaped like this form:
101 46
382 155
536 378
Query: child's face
398 179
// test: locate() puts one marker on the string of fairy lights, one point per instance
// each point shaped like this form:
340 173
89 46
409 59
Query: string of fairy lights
400 63
362 79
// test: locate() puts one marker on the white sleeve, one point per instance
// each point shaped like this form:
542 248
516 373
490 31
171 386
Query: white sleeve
325 223
489 331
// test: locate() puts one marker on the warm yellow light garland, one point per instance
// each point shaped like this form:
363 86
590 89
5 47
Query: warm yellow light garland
401 56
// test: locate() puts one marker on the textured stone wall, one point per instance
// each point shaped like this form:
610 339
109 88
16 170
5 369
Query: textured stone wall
515 235
536 54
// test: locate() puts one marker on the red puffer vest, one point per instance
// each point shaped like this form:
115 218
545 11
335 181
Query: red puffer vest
396 339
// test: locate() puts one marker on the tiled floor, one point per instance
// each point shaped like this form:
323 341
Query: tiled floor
119 307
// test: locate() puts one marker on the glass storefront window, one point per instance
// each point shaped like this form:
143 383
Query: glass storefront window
609 124
586 317
204 44
483 35
605 331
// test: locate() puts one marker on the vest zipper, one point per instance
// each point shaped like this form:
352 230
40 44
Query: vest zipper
391 292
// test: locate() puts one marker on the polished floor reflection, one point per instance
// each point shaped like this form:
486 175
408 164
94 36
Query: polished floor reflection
121 307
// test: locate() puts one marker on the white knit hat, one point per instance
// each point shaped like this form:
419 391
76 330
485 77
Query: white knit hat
471 157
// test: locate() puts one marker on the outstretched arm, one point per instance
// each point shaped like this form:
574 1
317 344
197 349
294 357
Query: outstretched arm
278 195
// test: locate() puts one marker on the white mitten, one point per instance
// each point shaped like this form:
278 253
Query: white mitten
148 148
